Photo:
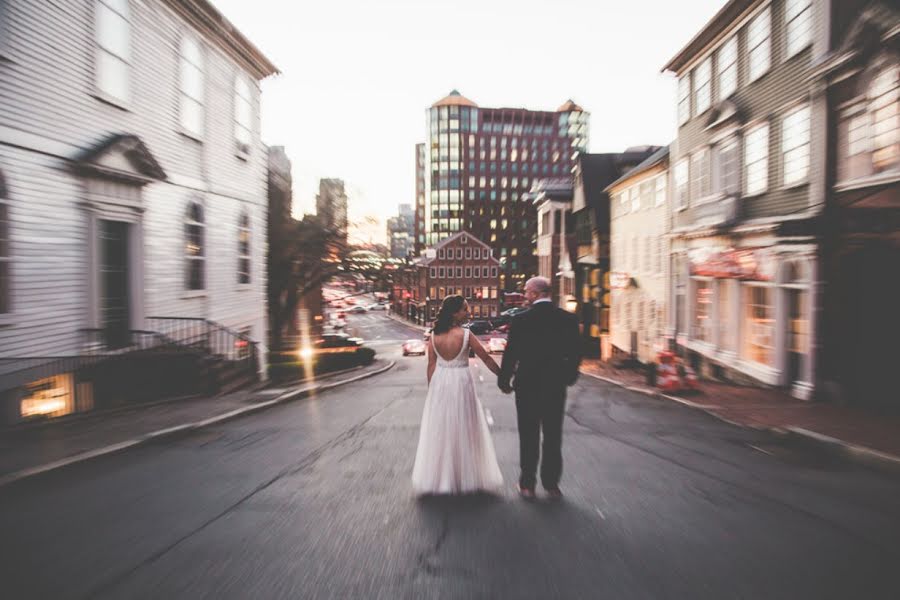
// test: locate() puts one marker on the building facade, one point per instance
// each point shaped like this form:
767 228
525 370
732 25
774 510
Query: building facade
555 237
480 162
134 181
861 232
401 232
460 264
331 208
749 161
419 215
591 249
639 255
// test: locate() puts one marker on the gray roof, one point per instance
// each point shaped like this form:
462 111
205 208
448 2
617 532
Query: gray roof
651 161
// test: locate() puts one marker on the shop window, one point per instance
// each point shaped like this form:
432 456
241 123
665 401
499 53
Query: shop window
758 325
726 328
701 329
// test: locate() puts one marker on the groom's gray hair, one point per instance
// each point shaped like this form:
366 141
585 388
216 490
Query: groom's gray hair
539 285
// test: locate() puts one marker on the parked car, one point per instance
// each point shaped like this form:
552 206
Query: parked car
378 307
357 310
496 345
511 312
338 323
411 347
337 350
479 327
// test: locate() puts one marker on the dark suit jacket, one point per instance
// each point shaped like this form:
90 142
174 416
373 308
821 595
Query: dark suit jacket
542 349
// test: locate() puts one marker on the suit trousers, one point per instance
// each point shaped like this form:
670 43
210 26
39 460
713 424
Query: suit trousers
540 411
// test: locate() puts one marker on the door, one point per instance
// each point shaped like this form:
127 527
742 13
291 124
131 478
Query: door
114 283
798 334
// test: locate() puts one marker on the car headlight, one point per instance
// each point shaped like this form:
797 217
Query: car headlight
305 353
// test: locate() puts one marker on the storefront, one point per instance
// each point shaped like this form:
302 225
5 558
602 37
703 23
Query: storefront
746 312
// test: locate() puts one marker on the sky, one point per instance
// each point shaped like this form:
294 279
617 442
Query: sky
358 75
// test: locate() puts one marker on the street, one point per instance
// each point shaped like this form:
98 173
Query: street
313 500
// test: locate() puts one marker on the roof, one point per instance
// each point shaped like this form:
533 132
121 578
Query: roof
208 20
554 188
599 170
569 106
424 260
713 29
651 161
454 99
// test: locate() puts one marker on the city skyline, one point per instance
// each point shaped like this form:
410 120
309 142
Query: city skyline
355 114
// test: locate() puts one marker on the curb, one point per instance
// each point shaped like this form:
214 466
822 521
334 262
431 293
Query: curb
186 427
860 454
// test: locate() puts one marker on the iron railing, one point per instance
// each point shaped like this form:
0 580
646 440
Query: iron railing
208 336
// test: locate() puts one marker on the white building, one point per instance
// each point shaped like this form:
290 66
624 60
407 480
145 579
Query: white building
134 177
639 257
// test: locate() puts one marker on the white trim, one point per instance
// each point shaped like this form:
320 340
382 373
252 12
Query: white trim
733 28
869 181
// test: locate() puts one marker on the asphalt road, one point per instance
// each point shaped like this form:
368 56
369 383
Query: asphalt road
313 500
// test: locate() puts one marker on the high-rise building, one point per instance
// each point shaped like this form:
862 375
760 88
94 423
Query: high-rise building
480 162
400 232
331 206
419 219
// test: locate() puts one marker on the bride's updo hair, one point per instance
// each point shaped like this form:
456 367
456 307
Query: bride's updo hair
449 307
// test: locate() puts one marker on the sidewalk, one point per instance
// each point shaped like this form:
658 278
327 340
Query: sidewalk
854 431
400 319
31 449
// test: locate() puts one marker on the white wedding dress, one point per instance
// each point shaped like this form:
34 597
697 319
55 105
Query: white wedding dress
456 453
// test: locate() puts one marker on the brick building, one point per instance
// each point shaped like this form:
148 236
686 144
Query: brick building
461 264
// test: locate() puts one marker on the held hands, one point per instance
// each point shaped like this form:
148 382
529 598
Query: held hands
504 385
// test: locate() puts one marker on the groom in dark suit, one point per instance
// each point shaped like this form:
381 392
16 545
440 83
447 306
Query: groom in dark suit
541 359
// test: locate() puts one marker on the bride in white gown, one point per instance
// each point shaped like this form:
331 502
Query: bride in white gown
456 453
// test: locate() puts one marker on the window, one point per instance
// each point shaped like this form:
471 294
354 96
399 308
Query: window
726 325
681 184
798 19
684 99
758 325
756 160
243 114
468 272
660 192
244 249
441 254
885 107
759 45
635 199
113 36
459 272
858 135
195 252
493 271
459 253
727 168
191 112
432 272
441 273
476 272
4 251
702 325
468 252
702 86
700 176
795 145
728 68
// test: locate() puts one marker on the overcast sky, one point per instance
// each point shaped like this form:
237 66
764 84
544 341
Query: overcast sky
357 76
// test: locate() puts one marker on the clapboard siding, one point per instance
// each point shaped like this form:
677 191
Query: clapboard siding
47 93
766 99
